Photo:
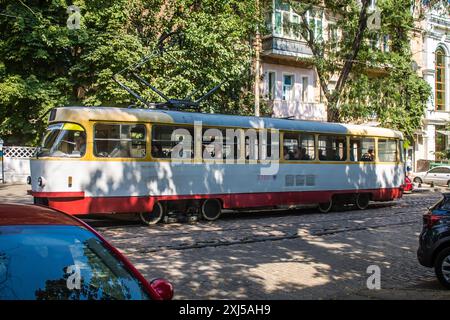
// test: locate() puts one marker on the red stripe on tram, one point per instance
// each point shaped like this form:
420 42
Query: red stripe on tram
74 203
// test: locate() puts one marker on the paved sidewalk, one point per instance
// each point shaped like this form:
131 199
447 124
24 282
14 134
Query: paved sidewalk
15 193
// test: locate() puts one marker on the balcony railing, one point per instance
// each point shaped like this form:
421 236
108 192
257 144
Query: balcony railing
299 110
277 46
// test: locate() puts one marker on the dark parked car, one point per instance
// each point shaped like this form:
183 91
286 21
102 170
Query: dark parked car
46 254
434 249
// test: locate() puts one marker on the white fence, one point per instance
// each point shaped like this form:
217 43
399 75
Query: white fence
16 163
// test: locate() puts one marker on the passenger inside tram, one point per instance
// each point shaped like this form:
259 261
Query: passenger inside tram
157 151
321 155
300 154
369 155
286 153
80 144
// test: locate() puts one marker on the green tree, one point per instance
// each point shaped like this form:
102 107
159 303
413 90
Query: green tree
367 82
44 64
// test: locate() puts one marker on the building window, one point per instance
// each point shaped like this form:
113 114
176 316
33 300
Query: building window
282 5
440 79
305 83
441 142
286 21
295 31
278 23
314 19
270 85
288 83
333 36
386 47
374 40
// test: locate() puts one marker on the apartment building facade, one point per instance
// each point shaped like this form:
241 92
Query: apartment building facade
290 84
430 46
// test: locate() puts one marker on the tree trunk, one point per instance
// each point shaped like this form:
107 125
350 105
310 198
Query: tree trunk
333 114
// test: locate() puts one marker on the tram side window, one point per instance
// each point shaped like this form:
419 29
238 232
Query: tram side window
266 144
298 146
362 149
251 145
119 140
332 148
258 146
401 144
213 146
387 150
163 146
232 148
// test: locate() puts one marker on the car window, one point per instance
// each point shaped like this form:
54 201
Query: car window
442 204
61 263
436 170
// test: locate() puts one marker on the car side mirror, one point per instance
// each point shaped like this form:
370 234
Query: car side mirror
163 287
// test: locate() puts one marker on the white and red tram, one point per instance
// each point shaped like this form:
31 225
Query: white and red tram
106 160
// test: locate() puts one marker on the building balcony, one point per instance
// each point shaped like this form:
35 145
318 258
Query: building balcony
285 48
437 116
298 110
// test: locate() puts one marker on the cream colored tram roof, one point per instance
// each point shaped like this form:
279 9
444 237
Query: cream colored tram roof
80 114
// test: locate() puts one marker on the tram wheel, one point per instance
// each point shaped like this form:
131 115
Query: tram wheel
211 209
325 207
154 216
362 201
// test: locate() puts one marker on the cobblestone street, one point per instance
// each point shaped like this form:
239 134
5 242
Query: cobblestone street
289 254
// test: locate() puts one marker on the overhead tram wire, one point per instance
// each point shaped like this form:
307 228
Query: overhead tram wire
163 46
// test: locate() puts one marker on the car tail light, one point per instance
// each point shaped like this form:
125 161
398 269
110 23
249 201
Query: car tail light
431 220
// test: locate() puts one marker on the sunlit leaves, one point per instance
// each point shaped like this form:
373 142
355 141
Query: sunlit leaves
43 64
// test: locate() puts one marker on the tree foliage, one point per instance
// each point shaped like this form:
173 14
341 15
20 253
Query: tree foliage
44 64
368 83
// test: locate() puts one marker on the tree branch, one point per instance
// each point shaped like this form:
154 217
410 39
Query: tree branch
362 26
317 51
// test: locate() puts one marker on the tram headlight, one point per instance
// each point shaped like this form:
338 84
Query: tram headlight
29 180
41 182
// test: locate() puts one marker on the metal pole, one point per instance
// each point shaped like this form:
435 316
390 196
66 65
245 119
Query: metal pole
257 65
1 157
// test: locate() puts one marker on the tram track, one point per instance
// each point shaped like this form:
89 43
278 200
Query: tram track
138 239
250 240
142 244
199 227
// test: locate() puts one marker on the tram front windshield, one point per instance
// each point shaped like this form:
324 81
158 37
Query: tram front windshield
63 140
